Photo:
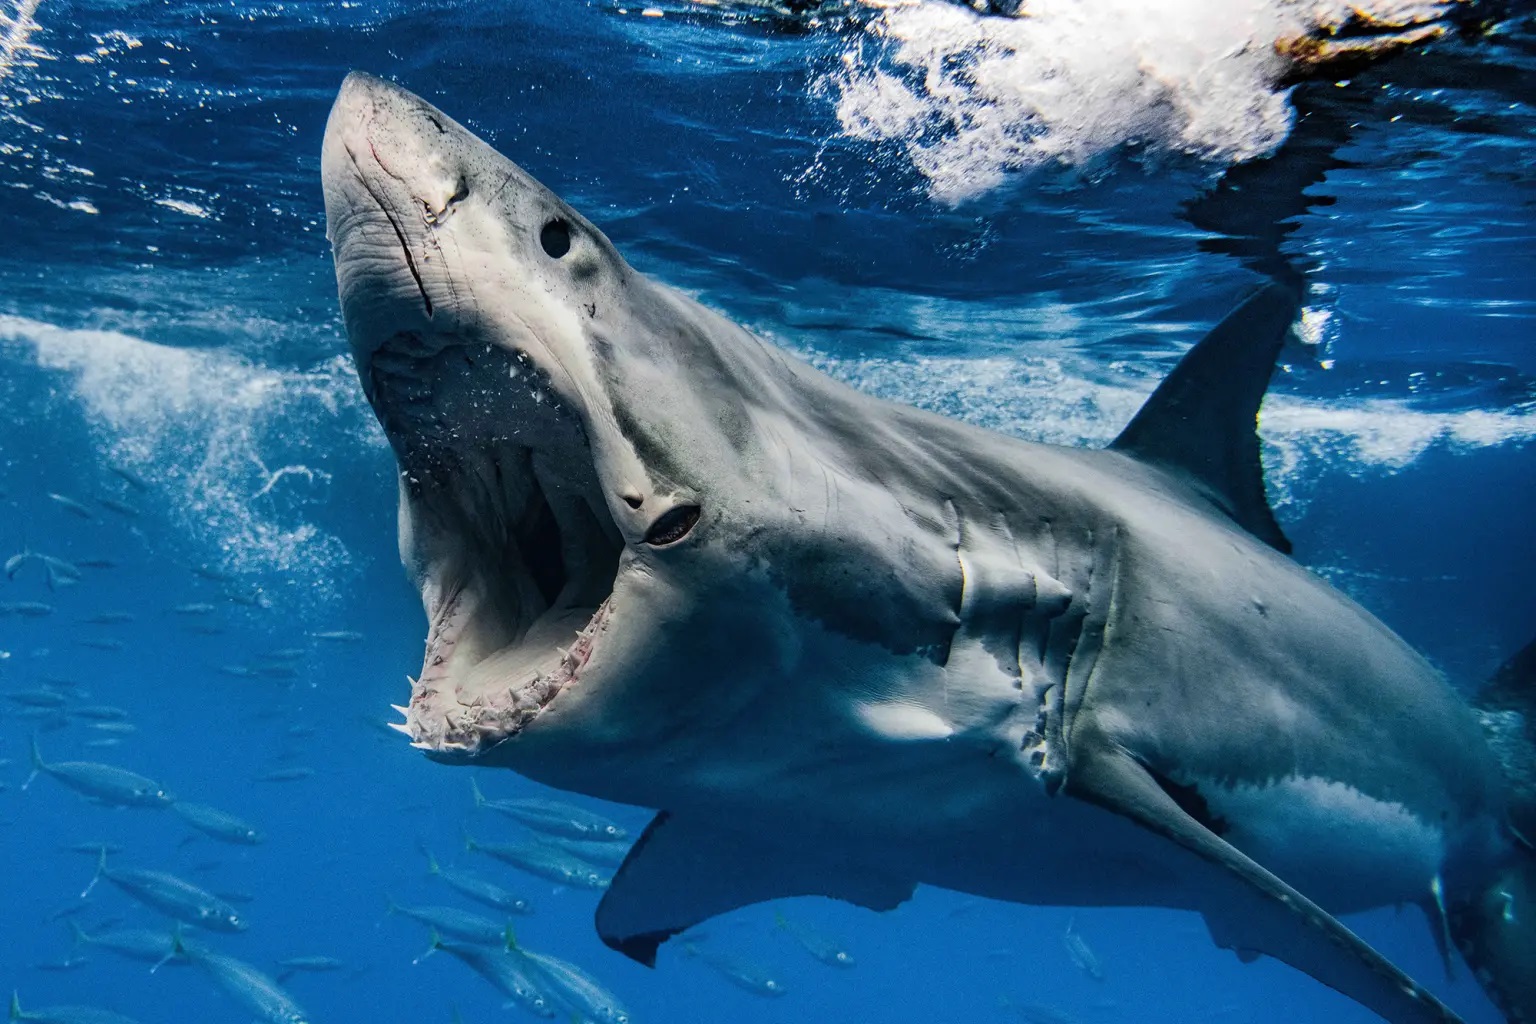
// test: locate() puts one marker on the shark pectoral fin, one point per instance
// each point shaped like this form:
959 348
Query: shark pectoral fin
1248 909
1202 421
682 872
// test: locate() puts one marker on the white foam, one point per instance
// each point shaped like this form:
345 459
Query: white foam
200 427
182 206
17 23
971 99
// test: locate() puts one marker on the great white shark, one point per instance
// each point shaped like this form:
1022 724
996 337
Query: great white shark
844 646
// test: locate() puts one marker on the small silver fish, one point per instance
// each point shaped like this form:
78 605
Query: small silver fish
246 984
577 992
129 477
478 889
285 654
143 944
100 643
1036 1013
252 597
744 975
172 896
508 971
99 713
103 783
72 506
292 965
218 824
60 573
456 923
109 619
286 774
40 698
119 506
544 862
26 609
813 942
552 817
66 1014
68 963
1080 953
17 562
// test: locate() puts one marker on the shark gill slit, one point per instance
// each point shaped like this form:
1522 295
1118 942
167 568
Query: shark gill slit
959 523
1024 609
1064 632
1099 600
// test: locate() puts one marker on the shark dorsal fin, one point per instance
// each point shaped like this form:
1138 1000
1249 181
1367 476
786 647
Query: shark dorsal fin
1202 421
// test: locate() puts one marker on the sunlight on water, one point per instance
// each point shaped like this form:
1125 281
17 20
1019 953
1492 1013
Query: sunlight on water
16 27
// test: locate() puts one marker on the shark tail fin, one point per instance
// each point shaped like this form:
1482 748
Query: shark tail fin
1506 707
469 842
433 868
474 791
1495 928
1496 932
16 1013
1201 424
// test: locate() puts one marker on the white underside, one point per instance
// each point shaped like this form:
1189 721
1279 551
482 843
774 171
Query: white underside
1344 849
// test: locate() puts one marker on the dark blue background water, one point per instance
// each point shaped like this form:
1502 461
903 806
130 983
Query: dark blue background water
167 308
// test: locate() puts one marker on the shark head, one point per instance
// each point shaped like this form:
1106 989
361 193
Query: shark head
588 460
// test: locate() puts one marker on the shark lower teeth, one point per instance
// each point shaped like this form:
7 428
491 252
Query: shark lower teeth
439 720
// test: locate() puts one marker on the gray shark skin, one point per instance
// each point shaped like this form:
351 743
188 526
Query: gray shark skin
847 646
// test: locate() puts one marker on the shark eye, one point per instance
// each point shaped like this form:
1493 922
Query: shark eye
672 525
556 238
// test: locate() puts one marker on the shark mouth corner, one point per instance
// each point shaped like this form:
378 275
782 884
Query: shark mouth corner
505 529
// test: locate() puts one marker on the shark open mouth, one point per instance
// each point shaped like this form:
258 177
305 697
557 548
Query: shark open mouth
505 527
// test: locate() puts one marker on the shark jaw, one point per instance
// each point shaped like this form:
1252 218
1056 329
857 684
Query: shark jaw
505 530
484 389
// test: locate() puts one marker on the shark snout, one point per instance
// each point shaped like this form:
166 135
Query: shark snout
394 171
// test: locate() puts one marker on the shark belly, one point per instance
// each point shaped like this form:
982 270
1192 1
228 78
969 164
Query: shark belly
1346 849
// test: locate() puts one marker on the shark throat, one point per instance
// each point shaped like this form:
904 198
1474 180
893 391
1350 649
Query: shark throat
506 531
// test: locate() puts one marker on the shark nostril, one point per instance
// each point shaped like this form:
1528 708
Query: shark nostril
460 192
556 238
437 124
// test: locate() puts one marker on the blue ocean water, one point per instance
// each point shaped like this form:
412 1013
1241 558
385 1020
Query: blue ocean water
172 363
